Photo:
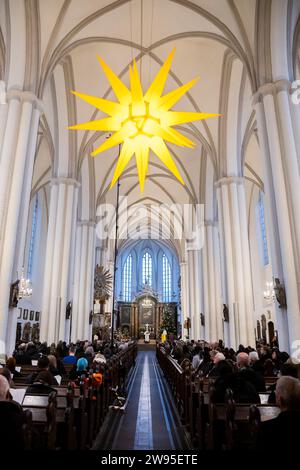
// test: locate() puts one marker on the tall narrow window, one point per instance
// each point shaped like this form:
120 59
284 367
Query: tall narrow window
127 279
147 269
32 236
261 212
166 279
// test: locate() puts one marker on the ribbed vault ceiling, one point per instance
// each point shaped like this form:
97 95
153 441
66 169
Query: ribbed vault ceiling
214 39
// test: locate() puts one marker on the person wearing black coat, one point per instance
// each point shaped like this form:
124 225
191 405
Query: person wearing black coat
282 432
11 419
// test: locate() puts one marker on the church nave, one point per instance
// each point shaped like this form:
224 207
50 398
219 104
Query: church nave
149 225
150 420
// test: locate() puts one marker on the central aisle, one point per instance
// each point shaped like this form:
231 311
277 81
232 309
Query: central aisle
148 422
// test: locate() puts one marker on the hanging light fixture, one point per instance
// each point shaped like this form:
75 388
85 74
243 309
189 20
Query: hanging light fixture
141 121
269 293
25 287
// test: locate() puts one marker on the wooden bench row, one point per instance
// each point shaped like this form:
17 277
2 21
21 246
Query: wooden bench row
213 425
71 418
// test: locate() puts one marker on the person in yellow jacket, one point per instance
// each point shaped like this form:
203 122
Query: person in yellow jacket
164 336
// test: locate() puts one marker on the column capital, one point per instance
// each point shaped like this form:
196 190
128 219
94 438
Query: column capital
271 88
25 96
65 180
226 180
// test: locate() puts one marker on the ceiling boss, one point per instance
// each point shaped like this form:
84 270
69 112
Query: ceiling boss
141 122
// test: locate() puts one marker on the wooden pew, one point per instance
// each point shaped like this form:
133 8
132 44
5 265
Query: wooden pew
54 415
65 420
201 416
236 420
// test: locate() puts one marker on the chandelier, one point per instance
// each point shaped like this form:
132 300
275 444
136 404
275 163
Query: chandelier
25 287
269 293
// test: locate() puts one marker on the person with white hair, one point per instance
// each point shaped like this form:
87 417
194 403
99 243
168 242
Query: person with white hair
255 363
288 393
218 359
253 357
248 374
282 432
4 388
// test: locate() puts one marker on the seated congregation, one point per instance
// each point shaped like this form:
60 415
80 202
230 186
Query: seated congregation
58 397
244 399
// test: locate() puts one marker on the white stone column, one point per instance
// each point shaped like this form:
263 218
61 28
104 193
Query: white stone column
61 217
197 295
190 292
17 156
193 307
212 283
275 126
3 113
76 286
83 280
89 288
290 158
233 223
184 294
26 192
206 290
7 156
272 222
224 219
217 282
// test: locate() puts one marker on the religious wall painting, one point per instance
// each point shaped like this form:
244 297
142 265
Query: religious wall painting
125 314
26 332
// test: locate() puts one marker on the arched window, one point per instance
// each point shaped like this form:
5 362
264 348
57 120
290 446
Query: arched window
127 279
166 293
262 222
147 269
32 237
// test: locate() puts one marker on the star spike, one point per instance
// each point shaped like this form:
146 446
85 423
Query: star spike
135 84
126 153
107 124
168 100
173 118
108 107
161 150
114 140
120 90
142 161
156 88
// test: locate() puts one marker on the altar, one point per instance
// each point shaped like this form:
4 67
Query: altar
143 317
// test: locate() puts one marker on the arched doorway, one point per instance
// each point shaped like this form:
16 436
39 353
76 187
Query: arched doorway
271 331
258 330
264 327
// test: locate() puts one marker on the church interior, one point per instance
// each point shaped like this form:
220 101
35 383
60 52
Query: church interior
149 224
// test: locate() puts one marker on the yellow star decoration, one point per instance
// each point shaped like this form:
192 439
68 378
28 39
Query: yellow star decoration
141 121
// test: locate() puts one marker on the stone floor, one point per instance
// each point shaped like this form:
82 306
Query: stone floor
148 422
